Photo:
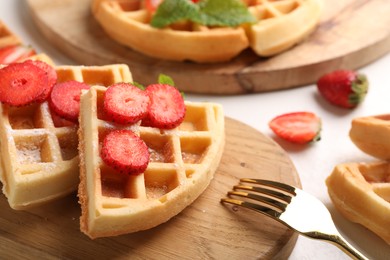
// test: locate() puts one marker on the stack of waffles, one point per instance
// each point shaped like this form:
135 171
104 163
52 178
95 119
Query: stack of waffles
45 157
39 156
280 24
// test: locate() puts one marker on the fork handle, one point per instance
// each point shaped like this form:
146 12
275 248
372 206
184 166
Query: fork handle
341 243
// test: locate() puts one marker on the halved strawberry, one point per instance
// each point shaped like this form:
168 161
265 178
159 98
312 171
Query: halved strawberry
297 127
345 88
166 109
52 78
15 53
65 99
125 103
125 151
21 84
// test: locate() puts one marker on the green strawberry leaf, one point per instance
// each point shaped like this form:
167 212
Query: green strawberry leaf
230 13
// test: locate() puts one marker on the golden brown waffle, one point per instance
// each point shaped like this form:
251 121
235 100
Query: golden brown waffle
127 22
371 134
39 156
281 24
361 192
182 163
7 37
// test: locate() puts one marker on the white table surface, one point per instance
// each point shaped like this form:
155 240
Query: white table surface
313 162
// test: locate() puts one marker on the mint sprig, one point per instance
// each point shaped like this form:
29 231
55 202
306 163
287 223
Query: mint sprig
171 11
230 13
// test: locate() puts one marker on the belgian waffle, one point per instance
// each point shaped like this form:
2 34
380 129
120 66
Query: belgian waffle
7 37
361 192
127 22
281 24
182 163
39 156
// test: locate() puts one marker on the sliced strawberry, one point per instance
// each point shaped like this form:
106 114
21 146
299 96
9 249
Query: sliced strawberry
52 78
166 109
125 103
21 84
298 127
15 53
344 88
65 99
125 151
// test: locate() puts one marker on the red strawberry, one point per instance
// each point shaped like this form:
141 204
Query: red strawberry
167 108
51 74
15 53
152 5
125 151
21 84
125 103
298 127
65 99
343 88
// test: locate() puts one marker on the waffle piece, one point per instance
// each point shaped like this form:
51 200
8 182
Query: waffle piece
127 22
182 163
282 23
361 192
39 156
372 135
7 37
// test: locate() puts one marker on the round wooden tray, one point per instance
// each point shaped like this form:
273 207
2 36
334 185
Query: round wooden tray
206 229
351 34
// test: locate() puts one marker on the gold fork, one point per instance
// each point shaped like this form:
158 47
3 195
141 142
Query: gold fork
292 207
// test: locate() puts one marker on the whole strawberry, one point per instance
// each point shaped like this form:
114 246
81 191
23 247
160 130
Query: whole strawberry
344 88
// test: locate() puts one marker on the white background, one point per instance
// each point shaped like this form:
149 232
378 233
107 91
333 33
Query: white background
313 162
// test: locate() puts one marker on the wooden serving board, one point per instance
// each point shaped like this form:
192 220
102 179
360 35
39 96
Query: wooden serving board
206 229
352 33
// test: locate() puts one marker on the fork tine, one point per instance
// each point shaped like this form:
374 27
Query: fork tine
272 193
256 207
257 197
274 184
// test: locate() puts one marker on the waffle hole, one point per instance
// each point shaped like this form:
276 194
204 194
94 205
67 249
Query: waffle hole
65 75
160 147
68 145
113 183
98 77
34 149
159 183
193 151
195 119
27 117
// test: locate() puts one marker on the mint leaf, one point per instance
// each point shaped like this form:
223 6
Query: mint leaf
171 11
165 79
138 85
230 13
224 13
